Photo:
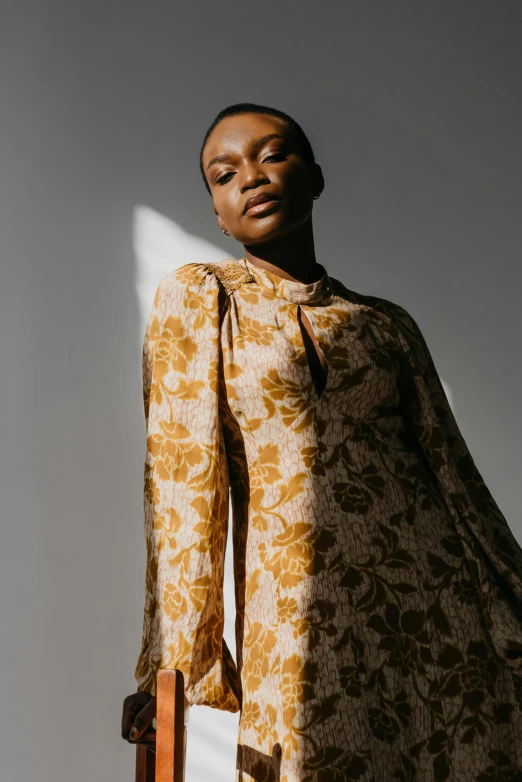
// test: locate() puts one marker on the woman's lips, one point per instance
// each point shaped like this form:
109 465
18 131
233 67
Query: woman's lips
263 207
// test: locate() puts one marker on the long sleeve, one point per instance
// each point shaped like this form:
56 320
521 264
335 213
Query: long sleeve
186 492
492 553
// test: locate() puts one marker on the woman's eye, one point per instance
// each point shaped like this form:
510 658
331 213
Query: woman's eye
222 180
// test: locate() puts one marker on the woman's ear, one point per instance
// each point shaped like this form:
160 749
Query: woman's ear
221 224
316 175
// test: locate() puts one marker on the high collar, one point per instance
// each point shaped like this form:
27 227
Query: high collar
319 292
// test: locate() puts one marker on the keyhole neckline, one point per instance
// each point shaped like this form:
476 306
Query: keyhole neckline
318 292
307 345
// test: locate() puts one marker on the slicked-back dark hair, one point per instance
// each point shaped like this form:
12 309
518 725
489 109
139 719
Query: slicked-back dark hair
253 108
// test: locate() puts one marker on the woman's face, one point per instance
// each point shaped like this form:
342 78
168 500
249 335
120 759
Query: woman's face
250 164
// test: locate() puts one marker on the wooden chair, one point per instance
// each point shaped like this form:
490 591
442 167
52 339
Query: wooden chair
167 762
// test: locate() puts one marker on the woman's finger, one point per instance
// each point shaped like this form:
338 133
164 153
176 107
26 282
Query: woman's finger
143 719
132 705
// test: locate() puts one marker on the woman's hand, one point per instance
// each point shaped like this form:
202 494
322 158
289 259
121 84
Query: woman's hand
139 709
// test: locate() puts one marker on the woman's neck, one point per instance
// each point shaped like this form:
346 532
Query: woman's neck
291 257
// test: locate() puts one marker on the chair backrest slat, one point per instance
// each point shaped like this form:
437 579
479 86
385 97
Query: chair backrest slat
167 764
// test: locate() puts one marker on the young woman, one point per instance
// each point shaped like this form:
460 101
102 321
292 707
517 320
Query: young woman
378 585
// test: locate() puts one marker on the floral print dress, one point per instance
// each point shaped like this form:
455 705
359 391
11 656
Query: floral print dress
378 586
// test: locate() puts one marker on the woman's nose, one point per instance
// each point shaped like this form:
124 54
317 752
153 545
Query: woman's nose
252 177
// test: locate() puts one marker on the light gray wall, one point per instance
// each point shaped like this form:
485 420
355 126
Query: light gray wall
414 111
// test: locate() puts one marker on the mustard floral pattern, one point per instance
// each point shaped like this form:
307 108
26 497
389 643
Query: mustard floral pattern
378 585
